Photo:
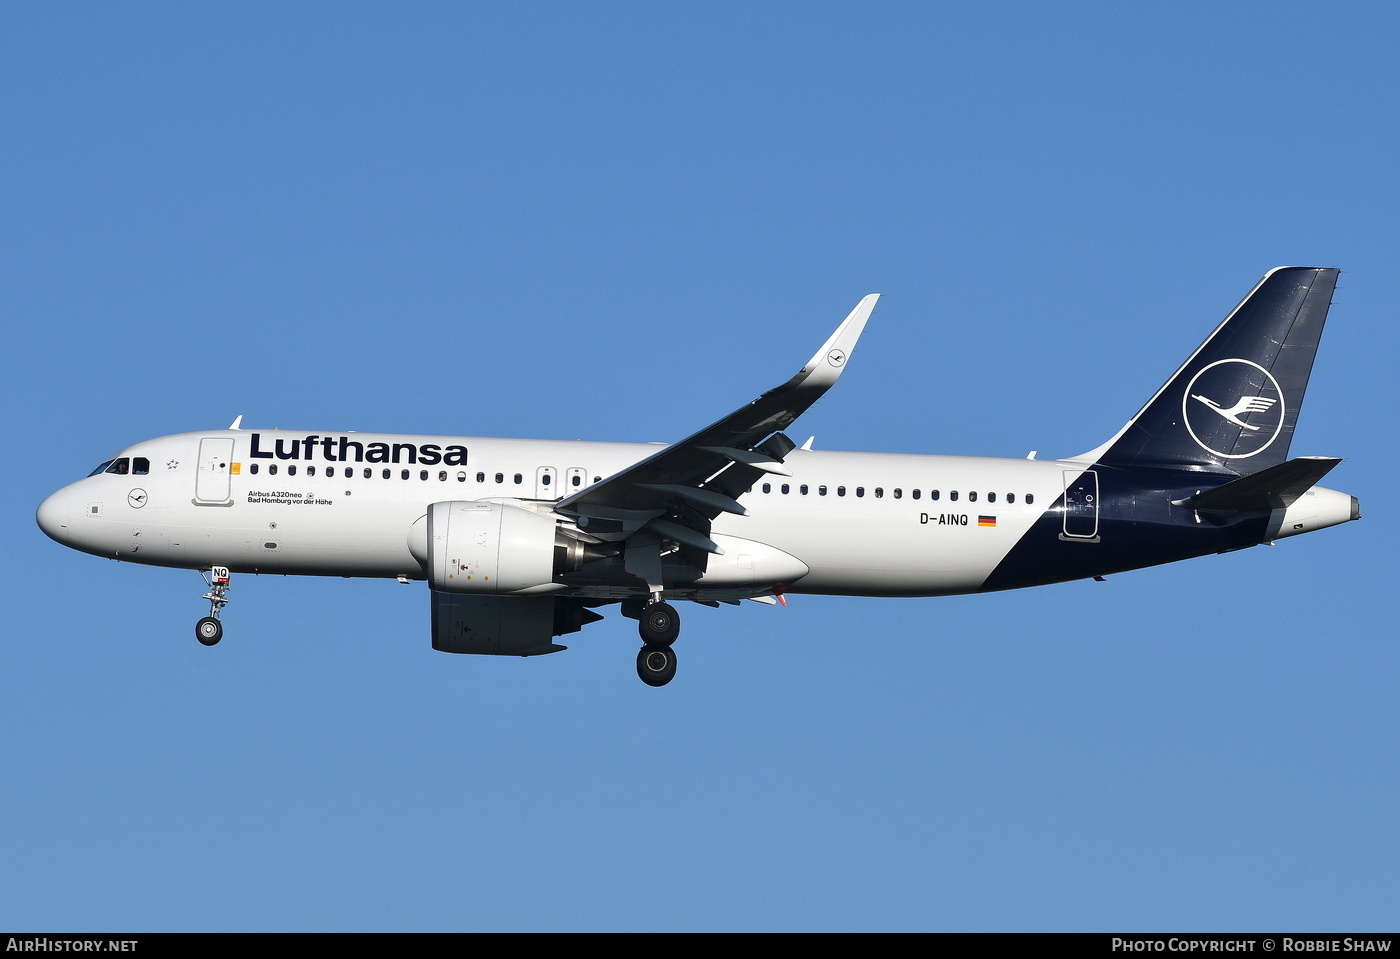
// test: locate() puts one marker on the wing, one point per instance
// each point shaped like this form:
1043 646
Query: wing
676 492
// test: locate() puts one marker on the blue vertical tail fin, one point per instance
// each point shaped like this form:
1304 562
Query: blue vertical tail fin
1233 405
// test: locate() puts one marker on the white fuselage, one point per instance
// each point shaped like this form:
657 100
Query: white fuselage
343 504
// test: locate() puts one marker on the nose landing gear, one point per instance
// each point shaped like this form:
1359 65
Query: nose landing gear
209 630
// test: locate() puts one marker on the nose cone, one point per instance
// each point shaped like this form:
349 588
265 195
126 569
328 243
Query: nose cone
53 516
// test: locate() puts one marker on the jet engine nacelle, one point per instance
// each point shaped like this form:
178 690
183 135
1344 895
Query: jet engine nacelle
485 548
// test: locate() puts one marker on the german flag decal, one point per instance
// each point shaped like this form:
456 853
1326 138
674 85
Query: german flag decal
986 521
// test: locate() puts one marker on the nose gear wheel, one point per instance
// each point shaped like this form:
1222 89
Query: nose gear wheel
209 630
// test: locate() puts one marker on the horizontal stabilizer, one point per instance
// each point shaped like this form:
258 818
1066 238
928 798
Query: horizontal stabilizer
1274 488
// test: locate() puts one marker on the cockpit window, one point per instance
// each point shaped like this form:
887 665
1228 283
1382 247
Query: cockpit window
102 468
121 467
140 466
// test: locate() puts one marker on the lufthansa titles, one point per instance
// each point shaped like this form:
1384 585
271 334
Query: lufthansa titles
342 449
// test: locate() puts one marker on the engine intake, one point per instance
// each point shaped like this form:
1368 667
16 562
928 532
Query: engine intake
485 548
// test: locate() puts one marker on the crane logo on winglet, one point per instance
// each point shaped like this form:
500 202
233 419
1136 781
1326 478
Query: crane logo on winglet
1238 429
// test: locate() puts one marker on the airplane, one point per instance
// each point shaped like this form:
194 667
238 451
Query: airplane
522 541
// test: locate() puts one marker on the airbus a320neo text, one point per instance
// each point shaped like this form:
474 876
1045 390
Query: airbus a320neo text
523 541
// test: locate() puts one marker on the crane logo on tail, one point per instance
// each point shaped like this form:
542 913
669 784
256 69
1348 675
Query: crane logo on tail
1245 404
1246 408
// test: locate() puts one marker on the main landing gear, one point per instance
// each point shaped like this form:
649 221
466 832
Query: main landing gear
659 625
209 630
656 665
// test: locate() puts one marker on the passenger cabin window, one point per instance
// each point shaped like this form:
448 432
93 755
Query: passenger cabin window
311 471
517 478
576 479
461 476
252 467
786 489
972 496
821 490
915 493
500 477
423 475
953 495
991 497
403 474
933 494
1029 499
767 487
386 474
291 470
898 492
1011 497
860 490
802 489
271 469
879 492
840 491
544 480
481 477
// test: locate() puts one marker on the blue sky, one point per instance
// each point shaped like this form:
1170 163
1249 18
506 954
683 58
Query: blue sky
620 221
